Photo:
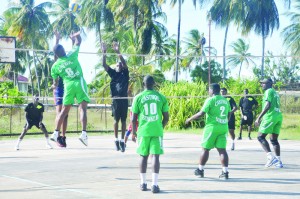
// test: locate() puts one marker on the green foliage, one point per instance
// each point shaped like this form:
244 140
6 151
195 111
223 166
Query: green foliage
280 69
200 73
10 94
182 106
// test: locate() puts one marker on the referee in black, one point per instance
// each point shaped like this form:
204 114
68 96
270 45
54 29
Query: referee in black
247 105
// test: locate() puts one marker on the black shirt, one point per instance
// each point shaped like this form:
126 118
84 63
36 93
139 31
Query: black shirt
231 102
246 103
34 113
119 82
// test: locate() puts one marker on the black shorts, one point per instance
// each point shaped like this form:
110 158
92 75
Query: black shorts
119 109
249 120
231 122
34 123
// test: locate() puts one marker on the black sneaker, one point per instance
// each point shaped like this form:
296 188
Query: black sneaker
60 141
122 146
64 141
117 143
143 187
250 138
199 173
224 175
155 189
239 138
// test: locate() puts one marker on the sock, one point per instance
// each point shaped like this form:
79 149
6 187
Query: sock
116 139
154 179
47 140
232 141
83 132
201 167
270 155
122 140
143 178
278 158
19 141
225 169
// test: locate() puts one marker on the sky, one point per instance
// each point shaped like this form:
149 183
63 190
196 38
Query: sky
191 19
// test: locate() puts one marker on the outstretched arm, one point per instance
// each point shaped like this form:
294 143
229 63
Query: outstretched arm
104 48
57 38
76 38
194 117
116 48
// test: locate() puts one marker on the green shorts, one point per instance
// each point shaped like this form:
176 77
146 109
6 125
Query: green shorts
213 137
75 90
150 145
270 126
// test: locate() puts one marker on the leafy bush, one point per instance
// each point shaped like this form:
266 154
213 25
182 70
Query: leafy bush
185 99
10 94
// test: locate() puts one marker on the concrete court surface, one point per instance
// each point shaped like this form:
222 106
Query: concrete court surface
98 171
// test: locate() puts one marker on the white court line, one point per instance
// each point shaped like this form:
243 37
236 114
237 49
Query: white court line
46 185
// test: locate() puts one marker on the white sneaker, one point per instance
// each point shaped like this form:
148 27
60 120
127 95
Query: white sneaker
49 146
17 147
84 139
54 136
271 161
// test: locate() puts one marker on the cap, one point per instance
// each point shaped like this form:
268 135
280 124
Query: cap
268 80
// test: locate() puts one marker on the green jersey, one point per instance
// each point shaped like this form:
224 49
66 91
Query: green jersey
149 105
271 96
68 67
216 109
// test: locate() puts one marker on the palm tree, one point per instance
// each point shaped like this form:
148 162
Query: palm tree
64 21
291 33
180 2
223 12
195 50
240 47
93 14
30 25
262 17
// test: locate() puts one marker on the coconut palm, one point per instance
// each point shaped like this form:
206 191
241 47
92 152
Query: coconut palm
262 17
31 24
241 56
223 12
195 49
291 33
93 14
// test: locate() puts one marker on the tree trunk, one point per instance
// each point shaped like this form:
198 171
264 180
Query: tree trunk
224 53
27 58
36 73
178 40
240 70
263 56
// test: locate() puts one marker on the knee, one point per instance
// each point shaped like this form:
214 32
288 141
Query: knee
261 139
274 142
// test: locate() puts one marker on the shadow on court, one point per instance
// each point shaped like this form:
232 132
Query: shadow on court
98 171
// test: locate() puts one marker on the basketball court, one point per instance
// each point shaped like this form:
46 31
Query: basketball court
98 171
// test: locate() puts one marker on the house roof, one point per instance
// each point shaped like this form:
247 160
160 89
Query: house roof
21 78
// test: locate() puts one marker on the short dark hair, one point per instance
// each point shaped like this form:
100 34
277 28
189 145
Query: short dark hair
215 87
57 49
149 80
224 89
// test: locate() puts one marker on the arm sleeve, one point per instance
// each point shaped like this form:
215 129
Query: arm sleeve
135 108
233 102
165 107
74 52
54 73
111 72
206 106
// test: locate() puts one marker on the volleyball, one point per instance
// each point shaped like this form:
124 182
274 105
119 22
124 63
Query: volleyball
74 6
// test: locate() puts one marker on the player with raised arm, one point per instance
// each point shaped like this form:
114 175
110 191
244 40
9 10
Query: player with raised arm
118 89
217 109
58 93
150 108
68 68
